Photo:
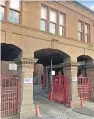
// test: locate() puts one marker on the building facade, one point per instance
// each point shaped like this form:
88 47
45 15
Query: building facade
35 32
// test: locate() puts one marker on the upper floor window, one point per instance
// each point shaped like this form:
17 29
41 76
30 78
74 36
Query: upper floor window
53 21
14 12
43 22
2 9
83 31
80 31
87 32
61 24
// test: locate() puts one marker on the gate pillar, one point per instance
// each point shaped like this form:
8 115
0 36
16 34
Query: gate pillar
70 70
90 74
26 107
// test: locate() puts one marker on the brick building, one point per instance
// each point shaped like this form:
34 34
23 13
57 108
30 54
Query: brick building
41 32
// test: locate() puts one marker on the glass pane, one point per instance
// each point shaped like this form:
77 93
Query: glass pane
14 4
86 29
61 19
43 25
44 13
2 2
86 38
80 36
52 28
13 16
61 30
1 13
79 26
53 16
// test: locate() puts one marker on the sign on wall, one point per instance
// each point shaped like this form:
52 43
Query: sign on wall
28 80
12 66
74 78
53 72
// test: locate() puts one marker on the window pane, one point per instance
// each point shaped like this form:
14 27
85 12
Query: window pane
86 29
61 19
52 28
43 25
2 2
14 4
80 36
86 38
79 26
61 30
13 16
43 13
1 13
53 16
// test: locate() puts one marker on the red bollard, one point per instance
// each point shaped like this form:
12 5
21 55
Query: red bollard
37 111
81 102
50 96
70 104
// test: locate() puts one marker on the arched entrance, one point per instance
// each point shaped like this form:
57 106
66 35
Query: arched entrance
84 81
9 79
51 61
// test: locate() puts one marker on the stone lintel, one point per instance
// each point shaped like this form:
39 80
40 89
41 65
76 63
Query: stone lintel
71 64
25 60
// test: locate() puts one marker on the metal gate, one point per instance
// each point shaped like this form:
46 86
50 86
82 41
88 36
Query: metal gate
9 95
84 88
60 89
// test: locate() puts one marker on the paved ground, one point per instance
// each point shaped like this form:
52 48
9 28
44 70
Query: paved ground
53 110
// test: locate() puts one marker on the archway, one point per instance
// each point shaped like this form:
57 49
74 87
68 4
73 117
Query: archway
50 63
9 79
83 61
9 52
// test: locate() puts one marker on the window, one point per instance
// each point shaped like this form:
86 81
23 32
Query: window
87 32
2 9
43 22
61 24
14 12
53 21
80 31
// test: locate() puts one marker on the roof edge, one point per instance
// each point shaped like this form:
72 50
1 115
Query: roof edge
81 5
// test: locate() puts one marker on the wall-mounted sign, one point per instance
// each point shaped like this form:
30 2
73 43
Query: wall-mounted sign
53 72
12 66
74 78
28 80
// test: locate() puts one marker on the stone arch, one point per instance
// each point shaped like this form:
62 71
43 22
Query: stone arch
84 61
47 53
9 53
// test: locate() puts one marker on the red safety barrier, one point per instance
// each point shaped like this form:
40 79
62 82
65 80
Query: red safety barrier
60 89
9 95
84 88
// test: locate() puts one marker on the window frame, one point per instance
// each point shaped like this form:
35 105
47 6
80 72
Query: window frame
44 19
4 7
56 24
49 8
17 11
88 32
82 30
63 26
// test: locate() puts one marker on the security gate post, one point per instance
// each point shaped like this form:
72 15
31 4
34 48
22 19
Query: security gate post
26 106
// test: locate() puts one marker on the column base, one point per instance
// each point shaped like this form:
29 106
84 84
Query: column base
75 103
26 111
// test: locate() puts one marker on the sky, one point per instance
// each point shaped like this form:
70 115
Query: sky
87 3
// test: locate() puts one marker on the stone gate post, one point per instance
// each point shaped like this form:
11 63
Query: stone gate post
70 70
26 107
